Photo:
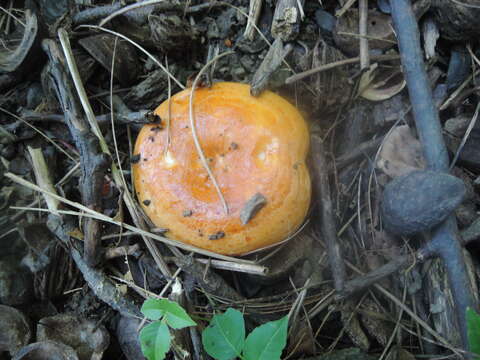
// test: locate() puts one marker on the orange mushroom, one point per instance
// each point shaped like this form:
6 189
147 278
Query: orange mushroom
255 148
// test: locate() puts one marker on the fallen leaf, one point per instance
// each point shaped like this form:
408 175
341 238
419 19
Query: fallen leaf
401 153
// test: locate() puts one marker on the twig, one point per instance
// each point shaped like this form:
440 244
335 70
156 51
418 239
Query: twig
231 266
117 176
345 8
194 131
363 149
120 251
327 222
9 13
210 281
362 30
335 64
100 284
445 238
43 177
129 118
93 161
129 8
169 120
253 15
365 281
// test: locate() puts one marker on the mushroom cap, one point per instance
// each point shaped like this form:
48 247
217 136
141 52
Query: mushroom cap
253 145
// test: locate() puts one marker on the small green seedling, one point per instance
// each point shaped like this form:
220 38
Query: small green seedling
473 331
155 338
224 338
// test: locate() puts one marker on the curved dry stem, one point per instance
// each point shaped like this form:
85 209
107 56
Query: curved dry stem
128 8
194 131
167 146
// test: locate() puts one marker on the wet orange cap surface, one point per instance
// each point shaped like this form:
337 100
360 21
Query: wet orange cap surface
252 145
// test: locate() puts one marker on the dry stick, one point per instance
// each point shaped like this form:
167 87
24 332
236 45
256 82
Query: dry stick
457 92
93 162
194 130
128 8
345 8
117 176
362 30
335 64
328 222
444 242
253 15
43 179
169 120
361 150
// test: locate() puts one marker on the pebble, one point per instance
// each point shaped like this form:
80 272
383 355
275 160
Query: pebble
420 200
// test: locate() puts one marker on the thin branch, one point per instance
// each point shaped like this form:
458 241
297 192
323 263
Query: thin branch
129 8
117 176
335 64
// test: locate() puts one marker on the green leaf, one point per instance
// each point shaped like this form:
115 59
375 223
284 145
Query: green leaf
155 340
473 331
267 341
224 338
175 316
152 309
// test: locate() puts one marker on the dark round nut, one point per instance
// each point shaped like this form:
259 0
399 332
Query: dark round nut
420 200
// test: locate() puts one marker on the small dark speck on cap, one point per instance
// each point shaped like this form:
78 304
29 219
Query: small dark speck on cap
217 235
156 129
135 159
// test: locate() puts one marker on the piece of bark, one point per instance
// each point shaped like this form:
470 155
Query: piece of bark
270 64
286 20
253 15
252 207
102 48
93 161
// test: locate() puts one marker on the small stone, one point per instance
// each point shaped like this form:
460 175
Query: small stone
420 200
187 213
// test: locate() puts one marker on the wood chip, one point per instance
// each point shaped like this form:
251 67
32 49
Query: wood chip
252 207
